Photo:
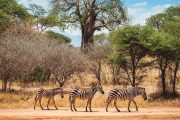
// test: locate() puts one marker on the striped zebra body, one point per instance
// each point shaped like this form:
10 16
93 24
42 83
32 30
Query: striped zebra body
50 94
125 94
84 93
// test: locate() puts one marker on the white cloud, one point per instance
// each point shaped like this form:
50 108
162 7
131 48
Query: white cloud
44 3
139 14
141 4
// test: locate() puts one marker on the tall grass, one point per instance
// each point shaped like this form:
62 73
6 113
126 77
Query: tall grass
22 99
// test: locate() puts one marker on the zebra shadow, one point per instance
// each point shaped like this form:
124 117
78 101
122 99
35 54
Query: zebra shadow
86 111
124 111
51 109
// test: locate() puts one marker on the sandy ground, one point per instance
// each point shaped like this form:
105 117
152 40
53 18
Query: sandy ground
97 114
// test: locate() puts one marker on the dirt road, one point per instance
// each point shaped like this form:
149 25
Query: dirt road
98 114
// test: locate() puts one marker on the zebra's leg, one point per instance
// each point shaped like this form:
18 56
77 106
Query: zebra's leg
108 102
87 105
71 106
74 105
135 105
48 103
54 103
116 105
36 99
70 102
129 105
90 105
40 103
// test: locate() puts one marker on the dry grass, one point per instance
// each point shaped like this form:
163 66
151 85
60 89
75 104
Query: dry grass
21 99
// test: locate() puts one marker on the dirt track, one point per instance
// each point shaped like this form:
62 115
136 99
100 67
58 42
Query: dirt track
98 114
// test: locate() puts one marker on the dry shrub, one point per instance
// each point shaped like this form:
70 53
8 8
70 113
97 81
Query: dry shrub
23 50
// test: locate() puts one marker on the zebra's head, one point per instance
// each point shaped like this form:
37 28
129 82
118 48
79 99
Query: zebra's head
142 91
99 88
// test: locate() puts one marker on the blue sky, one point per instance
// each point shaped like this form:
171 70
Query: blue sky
138 11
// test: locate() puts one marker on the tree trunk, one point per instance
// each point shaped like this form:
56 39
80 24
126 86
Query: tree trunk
163 66
87 38
4 85
134 78
163 80
174 79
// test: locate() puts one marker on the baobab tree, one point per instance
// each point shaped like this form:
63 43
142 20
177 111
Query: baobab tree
91 16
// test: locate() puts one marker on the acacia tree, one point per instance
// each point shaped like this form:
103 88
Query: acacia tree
43 19
161 48
168 23
129 46
10 11
91 15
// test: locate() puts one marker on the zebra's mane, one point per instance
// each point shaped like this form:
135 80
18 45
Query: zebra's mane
93 84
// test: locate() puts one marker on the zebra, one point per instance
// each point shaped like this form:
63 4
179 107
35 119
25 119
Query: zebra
125 94
49 94
84 93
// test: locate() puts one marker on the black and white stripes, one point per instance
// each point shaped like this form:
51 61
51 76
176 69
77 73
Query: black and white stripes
125 94
49 94
88 94
84 93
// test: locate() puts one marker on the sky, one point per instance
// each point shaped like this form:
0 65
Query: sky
138 11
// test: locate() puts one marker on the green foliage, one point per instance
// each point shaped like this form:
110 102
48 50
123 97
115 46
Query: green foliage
131 36
44 19
166 42
161 45
10 10
162 21
58 36
90 16
37 11
130 45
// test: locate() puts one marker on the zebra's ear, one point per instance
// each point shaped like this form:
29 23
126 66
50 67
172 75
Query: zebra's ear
98 82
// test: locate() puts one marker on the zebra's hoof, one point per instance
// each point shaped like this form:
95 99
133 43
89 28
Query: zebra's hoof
118 111
129 110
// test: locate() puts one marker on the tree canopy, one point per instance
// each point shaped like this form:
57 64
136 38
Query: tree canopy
10 10
130 47
58 36
43 19
90 15
165 42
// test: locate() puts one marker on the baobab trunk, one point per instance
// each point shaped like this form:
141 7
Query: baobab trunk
87 38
